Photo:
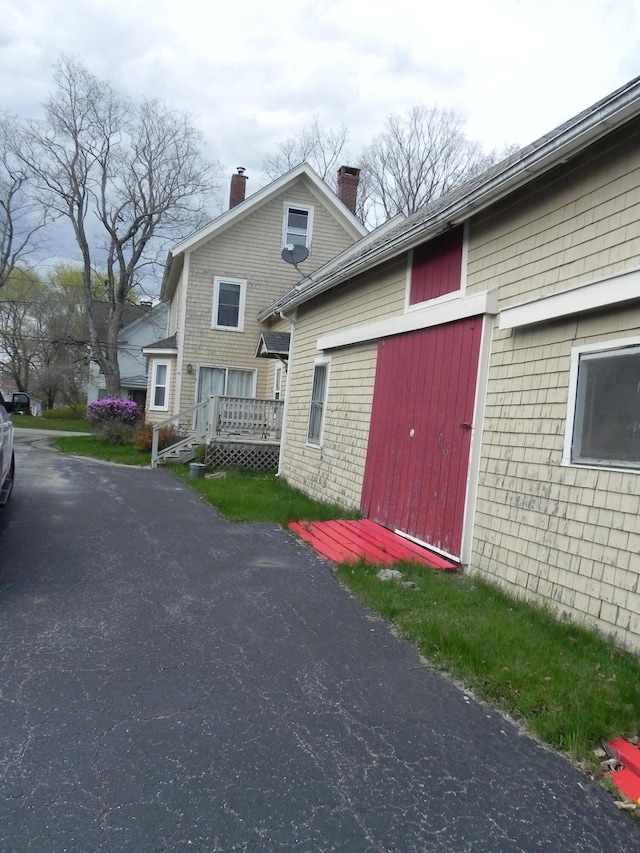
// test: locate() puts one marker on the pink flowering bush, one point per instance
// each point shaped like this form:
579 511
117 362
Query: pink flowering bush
113 419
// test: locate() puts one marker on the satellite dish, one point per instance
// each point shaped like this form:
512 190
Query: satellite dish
294 254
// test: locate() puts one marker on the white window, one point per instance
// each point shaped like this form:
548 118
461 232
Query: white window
228 303
160 386
225 382
318 402
298 220
603 427
277 382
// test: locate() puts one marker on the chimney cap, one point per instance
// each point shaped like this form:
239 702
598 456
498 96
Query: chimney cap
241 170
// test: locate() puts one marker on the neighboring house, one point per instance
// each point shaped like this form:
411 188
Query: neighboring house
471 376
141 325
220 278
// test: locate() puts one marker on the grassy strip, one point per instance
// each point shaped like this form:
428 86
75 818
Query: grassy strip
567 685
99 448
63 424
259 497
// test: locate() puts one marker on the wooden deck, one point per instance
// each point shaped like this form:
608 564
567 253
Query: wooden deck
351 541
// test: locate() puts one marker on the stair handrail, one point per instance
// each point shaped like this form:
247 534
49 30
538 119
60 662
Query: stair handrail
198 433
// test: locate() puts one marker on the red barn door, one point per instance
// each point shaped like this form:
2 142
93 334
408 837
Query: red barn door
418 453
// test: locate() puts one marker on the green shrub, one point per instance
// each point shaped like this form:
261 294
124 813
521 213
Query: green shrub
143 437
65 413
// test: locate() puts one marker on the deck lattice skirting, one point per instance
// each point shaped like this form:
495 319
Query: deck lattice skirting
239 453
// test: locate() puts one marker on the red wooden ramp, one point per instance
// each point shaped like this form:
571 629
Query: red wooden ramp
626 780
351 541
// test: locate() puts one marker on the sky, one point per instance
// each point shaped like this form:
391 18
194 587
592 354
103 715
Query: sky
254 73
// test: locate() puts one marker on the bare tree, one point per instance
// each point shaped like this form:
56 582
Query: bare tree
322 148
418 157
19 327
128 177
61 363
21 214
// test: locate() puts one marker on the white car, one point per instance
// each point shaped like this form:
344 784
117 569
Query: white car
7 459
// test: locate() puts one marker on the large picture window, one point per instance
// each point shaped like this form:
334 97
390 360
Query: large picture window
225 382
228 304
606 417
318 402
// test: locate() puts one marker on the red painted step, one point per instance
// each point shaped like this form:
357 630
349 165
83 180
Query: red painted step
627 780
350 541
626 753
627 783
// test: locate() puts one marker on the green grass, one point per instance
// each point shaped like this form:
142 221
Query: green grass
259 497
567 685
62 424
99 448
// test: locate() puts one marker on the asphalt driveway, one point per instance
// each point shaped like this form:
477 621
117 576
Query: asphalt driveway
170 681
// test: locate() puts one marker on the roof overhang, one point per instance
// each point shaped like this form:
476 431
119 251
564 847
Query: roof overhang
273 345
515 172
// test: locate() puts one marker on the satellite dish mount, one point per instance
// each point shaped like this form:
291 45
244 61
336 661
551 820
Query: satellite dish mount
295 254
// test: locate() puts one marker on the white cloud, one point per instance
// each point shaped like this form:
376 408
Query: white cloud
254 73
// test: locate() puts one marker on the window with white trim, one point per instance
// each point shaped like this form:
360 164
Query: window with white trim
160 386
229 296
297 225
277 382
604 427
318 402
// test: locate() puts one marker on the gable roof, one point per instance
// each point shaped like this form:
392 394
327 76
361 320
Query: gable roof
477 194
175 258
163 346
273 345
145 317
130 313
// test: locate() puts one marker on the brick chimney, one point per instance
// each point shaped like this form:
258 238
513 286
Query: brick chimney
348 179
238 187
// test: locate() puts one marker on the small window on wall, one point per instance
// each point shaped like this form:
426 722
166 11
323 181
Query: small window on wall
277 382
318 402
605 428
160 387
228 304
297 226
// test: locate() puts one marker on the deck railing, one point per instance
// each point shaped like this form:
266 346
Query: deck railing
247 416
218 417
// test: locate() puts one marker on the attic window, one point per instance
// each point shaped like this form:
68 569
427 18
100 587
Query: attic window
297 225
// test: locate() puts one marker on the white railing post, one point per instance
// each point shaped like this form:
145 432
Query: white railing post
154 447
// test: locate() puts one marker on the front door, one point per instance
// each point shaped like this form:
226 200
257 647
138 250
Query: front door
416 468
